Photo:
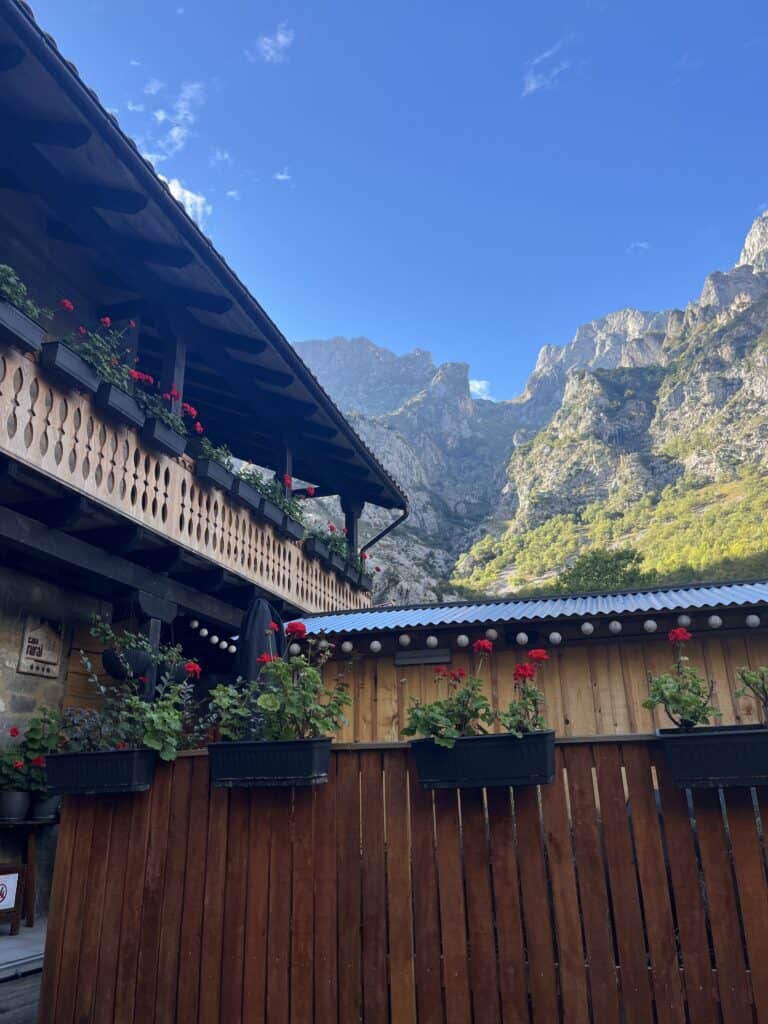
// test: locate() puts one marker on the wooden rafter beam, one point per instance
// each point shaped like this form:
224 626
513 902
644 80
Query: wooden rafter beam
132 248
67 134
88 193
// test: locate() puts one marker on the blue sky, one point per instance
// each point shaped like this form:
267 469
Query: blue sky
476 180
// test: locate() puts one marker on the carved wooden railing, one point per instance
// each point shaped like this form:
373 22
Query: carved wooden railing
61 434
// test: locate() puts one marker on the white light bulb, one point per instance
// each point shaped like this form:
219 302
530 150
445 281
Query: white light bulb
521 639
753 621
294 650
462 640
375 646
347 647
491 634
555 638
232 649
587 628
322 645
714 621
193 623
223 645
684 621
214 639
650 625
203 632
614 626
404 640
432 641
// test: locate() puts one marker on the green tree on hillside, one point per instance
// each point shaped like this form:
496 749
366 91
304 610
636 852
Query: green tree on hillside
601 569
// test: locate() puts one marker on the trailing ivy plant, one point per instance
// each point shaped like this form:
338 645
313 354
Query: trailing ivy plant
754 683
13 290
683 693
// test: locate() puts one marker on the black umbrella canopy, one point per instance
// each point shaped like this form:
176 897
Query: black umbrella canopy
258 637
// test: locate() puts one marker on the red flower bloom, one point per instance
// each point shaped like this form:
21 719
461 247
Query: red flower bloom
287 480
131 324
81 331
141 679
39 761
266 659
143 378
378 568
538 654
190 410
331 528
344 531
13 731
174 393
364 555
166 396
482 646
274 627
310 491
679 635
198 427
441 671
458 674
524 671
18 764
122 745
297 630
106 321
67 304
192 669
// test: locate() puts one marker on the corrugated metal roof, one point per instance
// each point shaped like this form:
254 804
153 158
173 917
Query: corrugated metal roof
716 595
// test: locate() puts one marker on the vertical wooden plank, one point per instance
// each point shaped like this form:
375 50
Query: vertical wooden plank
710 651
235 894
106 969
385 696
636 999
736 656
57 912
753 895
348 873
691 916
279 934
635 680
91 937
542 980
76 912
399 892
303 912
453 925
606 674
175 865
483 974
195 877
578 699
366 688
133 895
596 913
651 868
574 993
550 681
257 904
721 906
213 907
375 1003
426 914
326 935
513 983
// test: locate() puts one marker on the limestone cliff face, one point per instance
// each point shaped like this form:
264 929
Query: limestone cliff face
635 402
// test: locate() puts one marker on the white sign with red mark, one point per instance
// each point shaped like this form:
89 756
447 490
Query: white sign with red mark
8 884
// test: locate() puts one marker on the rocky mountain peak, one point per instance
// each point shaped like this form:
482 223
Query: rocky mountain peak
755 250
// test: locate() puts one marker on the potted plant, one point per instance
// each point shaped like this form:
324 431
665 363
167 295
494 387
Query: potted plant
164 429
700 755
126 655
316 546
245 488
459 752
275 730
19 316
41 739
14 785
89 358
214 465
269 500
338 550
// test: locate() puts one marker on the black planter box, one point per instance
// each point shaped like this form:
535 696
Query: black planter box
271 513
339 563
270 762
499 759
210 472
67 367
366 582
292 528
106 771
316 548
717 755
17 329
247 494
119 405
163 438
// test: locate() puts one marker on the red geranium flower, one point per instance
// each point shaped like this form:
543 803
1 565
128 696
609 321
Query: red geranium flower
174 393
524 671
190 410
331 528
297 630
310 491
378 568
679 635
440 670
122 745
274 627
106 321
67 304
166 396
482 646
13 731
18 764
81 331
39 761
131 324
287 480
344 530
538 654
363 555
192 669
198 427
266 659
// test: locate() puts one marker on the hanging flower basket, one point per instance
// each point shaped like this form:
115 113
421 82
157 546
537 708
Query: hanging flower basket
248 495
162 438
67 367
119 405
717 755
255 763
136 660
18 330
498 759
213 474
104 771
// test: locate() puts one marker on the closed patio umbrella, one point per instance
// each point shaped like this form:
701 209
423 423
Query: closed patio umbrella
257 637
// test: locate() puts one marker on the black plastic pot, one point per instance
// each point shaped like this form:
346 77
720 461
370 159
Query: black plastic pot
119 405
44 807
14 805
271 513
499 759
162 438
212 473
316 548
18 330
175 673
105 771
292 528
717 755
114 663
247 494
339 563
270 763
67 367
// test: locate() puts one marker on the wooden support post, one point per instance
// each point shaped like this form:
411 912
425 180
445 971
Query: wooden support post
353 509
155 628
174 368
285 469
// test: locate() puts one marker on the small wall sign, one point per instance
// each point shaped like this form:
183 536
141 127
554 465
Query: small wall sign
40 648
11 894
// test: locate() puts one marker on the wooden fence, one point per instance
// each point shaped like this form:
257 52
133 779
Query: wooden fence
603 897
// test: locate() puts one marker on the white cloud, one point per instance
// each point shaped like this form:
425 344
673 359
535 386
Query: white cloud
153 87
113 110
134 63
233 193
480 389
637 248
219 156
179 119
135 107
179 10
282 175
196 205
272 49
542 72
160 115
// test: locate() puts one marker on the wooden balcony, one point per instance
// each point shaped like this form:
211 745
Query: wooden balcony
62 435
